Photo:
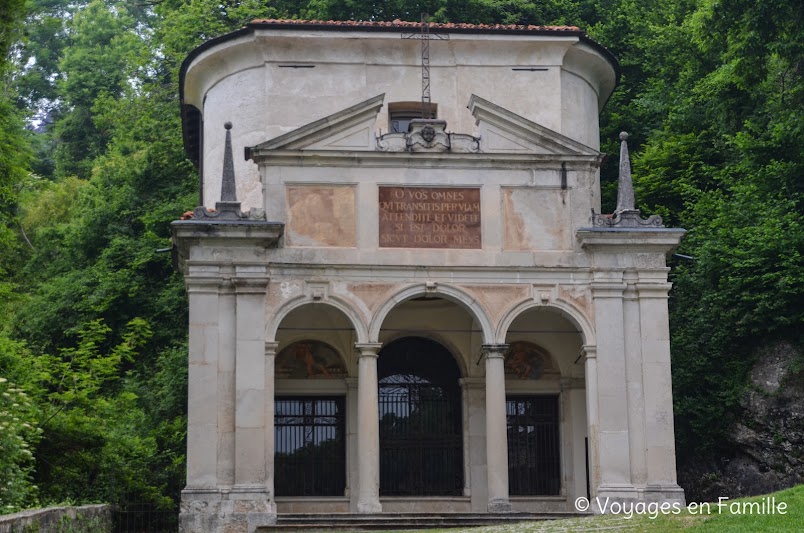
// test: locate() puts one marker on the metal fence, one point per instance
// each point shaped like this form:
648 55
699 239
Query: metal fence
310 444
421 445
534 464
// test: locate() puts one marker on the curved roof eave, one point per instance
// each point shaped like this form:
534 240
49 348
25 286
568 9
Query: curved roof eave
189 114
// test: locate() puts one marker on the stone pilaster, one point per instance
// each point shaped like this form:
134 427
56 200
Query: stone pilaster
633 378
635 447
226 385
230 404
270 439
474 401
613 444
368 430
202 410
660 448
253 505
496 429
590 379
250 388
351 444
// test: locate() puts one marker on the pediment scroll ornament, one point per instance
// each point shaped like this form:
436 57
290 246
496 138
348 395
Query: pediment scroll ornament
428 135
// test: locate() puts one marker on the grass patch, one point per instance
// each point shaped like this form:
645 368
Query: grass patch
744 515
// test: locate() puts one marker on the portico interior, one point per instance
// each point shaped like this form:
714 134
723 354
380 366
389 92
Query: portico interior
430 407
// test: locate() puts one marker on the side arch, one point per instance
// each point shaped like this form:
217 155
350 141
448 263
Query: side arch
474 308
571 313
344 307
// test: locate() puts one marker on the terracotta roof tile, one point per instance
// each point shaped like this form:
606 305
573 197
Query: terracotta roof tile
406 25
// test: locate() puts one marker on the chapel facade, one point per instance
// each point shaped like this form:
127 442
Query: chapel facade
400 305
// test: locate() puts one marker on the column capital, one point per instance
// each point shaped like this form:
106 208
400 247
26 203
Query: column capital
368 349
270 348
492 351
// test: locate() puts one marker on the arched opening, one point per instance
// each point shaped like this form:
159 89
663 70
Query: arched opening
310 403
421 436
545 405
309 430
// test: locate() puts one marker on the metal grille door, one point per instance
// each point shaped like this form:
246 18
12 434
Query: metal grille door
310 446
534 464
421 441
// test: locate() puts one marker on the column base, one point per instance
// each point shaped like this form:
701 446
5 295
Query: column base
665 493
613 494
500 506
631 494
225 511
369 507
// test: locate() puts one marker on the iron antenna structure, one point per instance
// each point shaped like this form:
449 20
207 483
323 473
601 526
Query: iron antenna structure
425 35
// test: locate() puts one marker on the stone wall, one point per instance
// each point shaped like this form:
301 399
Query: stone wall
84 519
768 439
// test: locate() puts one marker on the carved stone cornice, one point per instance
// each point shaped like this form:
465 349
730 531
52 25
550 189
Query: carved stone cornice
187 234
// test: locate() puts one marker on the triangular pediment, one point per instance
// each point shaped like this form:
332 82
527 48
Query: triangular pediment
349 129
503 131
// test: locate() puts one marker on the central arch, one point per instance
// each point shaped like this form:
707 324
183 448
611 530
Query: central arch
421 434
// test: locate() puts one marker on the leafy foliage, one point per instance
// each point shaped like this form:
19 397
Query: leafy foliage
19 435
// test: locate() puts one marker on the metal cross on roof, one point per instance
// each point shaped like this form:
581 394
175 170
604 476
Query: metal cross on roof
425 35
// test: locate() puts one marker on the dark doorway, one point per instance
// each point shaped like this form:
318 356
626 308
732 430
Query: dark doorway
534 460
421 438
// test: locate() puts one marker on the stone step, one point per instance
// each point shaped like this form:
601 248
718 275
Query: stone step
391 521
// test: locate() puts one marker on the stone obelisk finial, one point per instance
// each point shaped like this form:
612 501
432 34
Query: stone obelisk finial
626 215
228 208
625 186
228 188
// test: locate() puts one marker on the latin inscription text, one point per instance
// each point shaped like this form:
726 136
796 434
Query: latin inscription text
429 217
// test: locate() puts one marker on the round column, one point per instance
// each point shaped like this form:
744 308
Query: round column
368 430
496 429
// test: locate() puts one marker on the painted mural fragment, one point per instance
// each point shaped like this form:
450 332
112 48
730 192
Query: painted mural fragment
525 360
309 359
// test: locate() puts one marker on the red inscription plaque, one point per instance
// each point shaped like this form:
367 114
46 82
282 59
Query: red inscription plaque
429 217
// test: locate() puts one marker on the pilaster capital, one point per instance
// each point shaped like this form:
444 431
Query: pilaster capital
368 349
653 290
494 351
589 351
256 285
270 348
203 284
608 289
472 383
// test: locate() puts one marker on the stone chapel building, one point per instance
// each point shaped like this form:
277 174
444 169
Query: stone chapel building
409 306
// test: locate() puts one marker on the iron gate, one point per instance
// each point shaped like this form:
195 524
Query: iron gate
421 441
534 463
310 448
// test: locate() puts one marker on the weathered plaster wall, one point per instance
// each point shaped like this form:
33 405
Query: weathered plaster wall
247 81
